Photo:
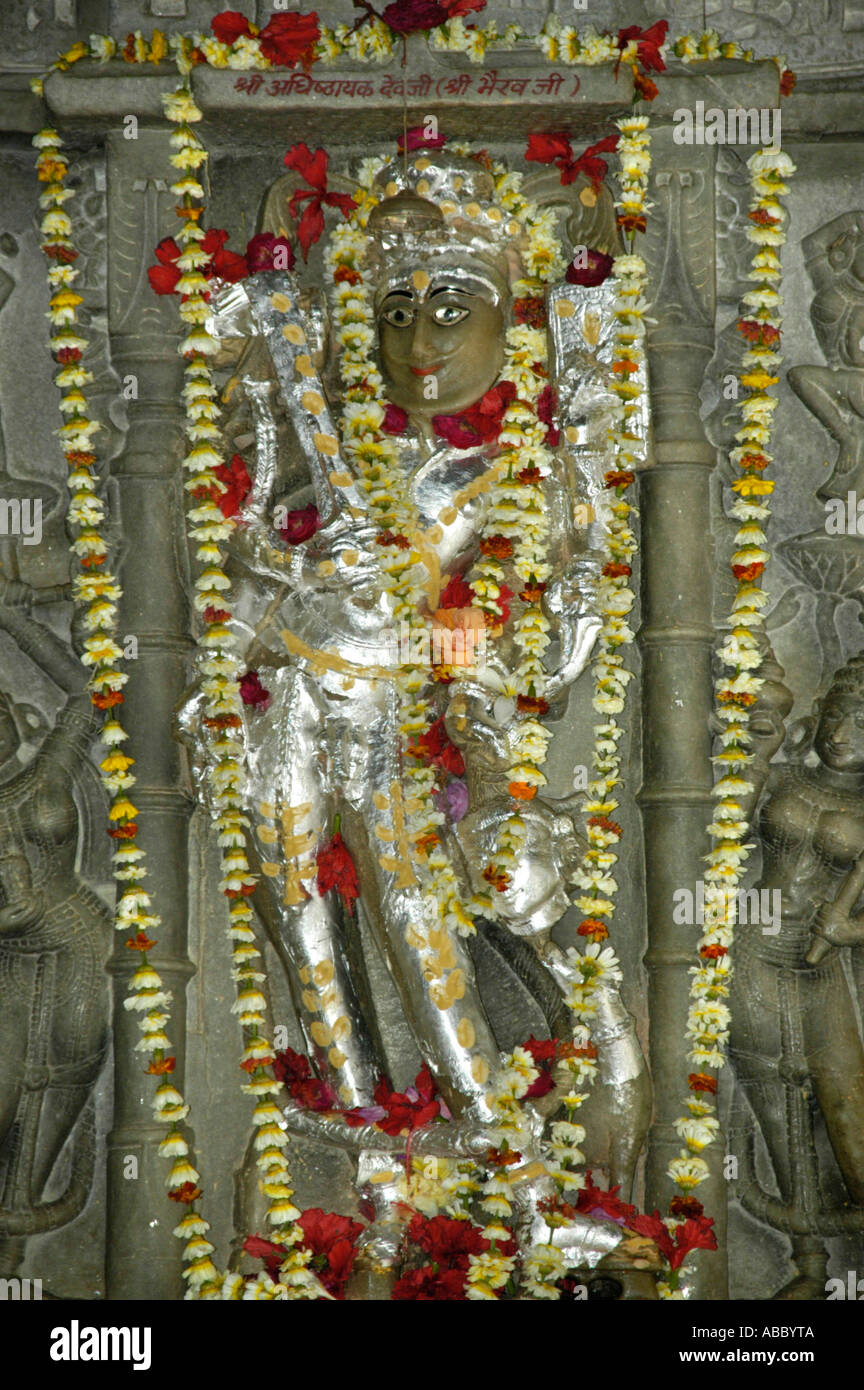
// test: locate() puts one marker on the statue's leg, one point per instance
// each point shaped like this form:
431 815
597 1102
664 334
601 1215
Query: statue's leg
293 813
429 962
836 1058
77 1023
756 1048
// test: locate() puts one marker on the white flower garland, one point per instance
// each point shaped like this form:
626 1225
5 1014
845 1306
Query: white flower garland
760 325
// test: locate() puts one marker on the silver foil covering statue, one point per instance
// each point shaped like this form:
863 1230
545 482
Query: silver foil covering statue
322 638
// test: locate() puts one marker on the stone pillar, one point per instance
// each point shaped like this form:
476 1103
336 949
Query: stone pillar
143 1258
677 638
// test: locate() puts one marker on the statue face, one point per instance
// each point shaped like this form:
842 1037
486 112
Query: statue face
839 737
440 352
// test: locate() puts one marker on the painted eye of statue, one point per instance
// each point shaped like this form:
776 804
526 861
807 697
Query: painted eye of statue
448 314
400 315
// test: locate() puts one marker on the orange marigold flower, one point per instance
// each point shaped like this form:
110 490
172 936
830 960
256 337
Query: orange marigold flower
763 218
788 78
80 458
245 892
604 823
55 252
123 832
588 1050
616 570
713 952
593 927
501 547
224 721
755 332
645 86
529 475
701 1081
188 1193
748 572
619 477
532 593
107 701
92 561
391 538
162 1067
757 461
444 675
141 942
530 311
500 1158
345 274
521 791
191 214
253 1063
497 878
624 366
736 697
631 222
688 1207
532 704
423 842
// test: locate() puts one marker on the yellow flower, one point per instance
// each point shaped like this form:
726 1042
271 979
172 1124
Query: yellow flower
74 55
122 809
158 46
753 487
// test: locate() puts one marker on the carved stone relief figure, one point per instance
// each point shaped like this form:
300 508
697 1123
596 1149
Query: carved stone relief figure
54 937
796 1039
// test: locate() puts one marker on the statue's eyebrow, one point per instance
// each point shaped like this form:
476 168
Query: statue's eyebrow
452 289
398 294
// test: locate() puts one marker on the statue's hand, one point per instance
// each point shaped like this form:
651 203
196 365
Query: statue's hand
837 927
14 595
18 916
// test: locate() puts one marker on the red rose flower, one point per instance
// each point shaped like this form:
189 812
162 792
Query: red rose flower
252 692
598 269
289 39
295 1073
265 250
336 870
229 26
395 419
300 524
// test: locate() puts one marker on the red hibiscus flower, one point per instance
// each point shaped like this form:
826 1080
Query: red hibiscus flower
312 168
331 1239
595 1201
270 1251
481 423
456 594
434 747
237 485
300 524
289 39
336 870
295 1073
229 26
543 1052
557 150
408 1110
252 692
268 252
223 264
598 269
447 1241
430 1285
505 594
648 44
417 140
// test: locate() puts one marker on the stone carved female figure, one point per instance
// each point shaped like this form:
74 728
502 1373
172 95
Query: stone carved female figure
53 944
329 745
795 1031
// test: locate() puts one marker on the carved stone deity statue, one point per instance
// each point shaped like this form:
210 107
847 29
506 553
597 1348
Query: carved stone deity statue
54 940
341 711
796 1039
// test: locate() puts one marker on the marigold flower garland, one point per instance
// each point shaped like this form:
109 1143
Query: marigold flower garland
97 591
736 691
